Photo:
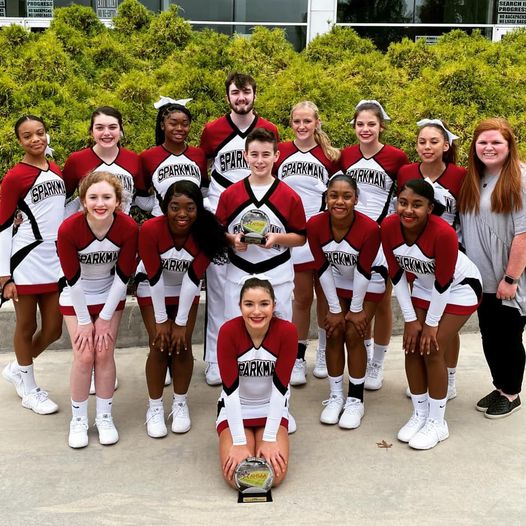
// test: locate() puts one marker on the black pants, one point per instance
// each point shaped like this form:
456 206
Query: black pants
501 329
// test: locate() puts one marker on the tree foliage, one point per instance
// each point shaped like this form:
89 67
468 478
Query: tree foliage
78 64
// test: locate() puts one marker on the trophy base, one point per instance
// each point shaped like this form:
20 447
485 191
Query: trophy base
253 239
248 496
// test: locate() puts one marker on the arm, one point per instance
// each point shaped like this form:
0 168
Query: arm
515 267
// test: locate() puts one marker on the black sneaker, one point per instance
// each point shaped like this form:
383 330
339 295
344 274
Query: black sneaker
503 407
484 403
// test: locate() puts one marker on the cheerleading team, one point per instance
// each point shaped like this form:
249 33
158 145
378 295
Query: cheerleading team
375 167
492 209
223 141
306 164
172 159
175 250
352 271
97 249
29 266
436 148
446 291
256 353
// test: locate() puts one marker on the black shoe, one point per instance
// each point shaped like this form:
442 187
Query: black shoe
484 403
503 407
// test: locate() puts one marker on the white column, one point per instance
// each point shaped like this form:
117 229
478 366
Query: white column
321 17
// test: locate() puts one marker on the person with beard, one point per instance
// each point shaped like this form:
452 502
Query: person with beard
223 141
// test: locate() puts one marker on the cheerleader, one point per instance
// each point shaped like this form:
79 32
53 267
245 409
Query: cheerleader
29 266
172 159
97 250
306 164
106 155
256 352
352 271
446 291
437 153
175 249
375 166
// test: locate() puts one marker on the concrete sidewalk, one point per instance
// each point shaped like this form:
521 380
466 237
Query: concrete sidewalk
477 476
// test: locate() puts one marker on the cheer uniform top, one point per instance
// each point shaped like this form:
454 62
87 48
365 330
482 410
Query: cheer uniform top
375 176
162 168
29 254
96 270
174 275
446 279
126 167
224 142
307 173
353 267
446 187
284 210
255 379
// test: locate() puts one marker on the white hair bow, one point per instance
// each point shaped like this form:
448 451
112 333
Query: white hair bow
49 151
437 122
167 100
244 279
376 103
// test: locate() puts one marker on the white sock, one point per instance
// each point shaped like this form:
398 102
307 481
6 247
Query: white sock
179 398
379 353
336 385
28 377
322 339
451 375
14 368
437 409
157 402
420 404
369 348
79 409
104 405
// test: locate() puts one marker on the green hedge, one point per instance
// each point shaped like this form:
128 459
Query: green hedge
66 71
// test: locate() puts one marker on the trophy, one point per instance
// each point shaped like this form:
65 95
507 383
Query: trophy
254 225
253 478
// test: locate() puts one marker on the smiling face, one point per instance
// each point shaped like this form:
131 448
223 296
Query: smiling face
106 131
368 127
241 100
341 199
32 137
100 201
176 127
260 157
304 123
413 210
181 214
257 308
431 144
492 149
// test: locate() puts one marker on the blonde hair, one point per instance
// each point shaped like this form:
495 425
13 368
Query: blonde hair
506 196
99 177
321 138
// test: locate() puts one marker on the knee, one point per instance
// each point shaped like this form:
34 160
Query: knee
103 357
303 299
26 328
84 360
435 359
54 333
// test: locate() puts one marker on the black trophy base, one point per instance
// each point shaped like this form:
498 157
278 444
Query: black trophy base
253 239
250 495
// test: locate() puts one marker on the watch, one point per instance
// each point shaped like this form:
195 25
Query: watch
510 280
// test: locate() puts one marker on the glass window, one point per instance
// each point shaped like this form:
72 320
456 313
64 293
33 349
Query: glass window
218 10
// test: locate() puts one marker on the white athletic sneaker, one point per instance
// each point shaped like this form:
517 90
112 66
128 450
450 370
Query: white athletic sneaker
352 415
320 368
333 409
167 377
411 427
292 424
15 378
155 424
430 435
107 431
299 373
92 389
78 432
374 376
180 414
451 391
212 375
39 402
